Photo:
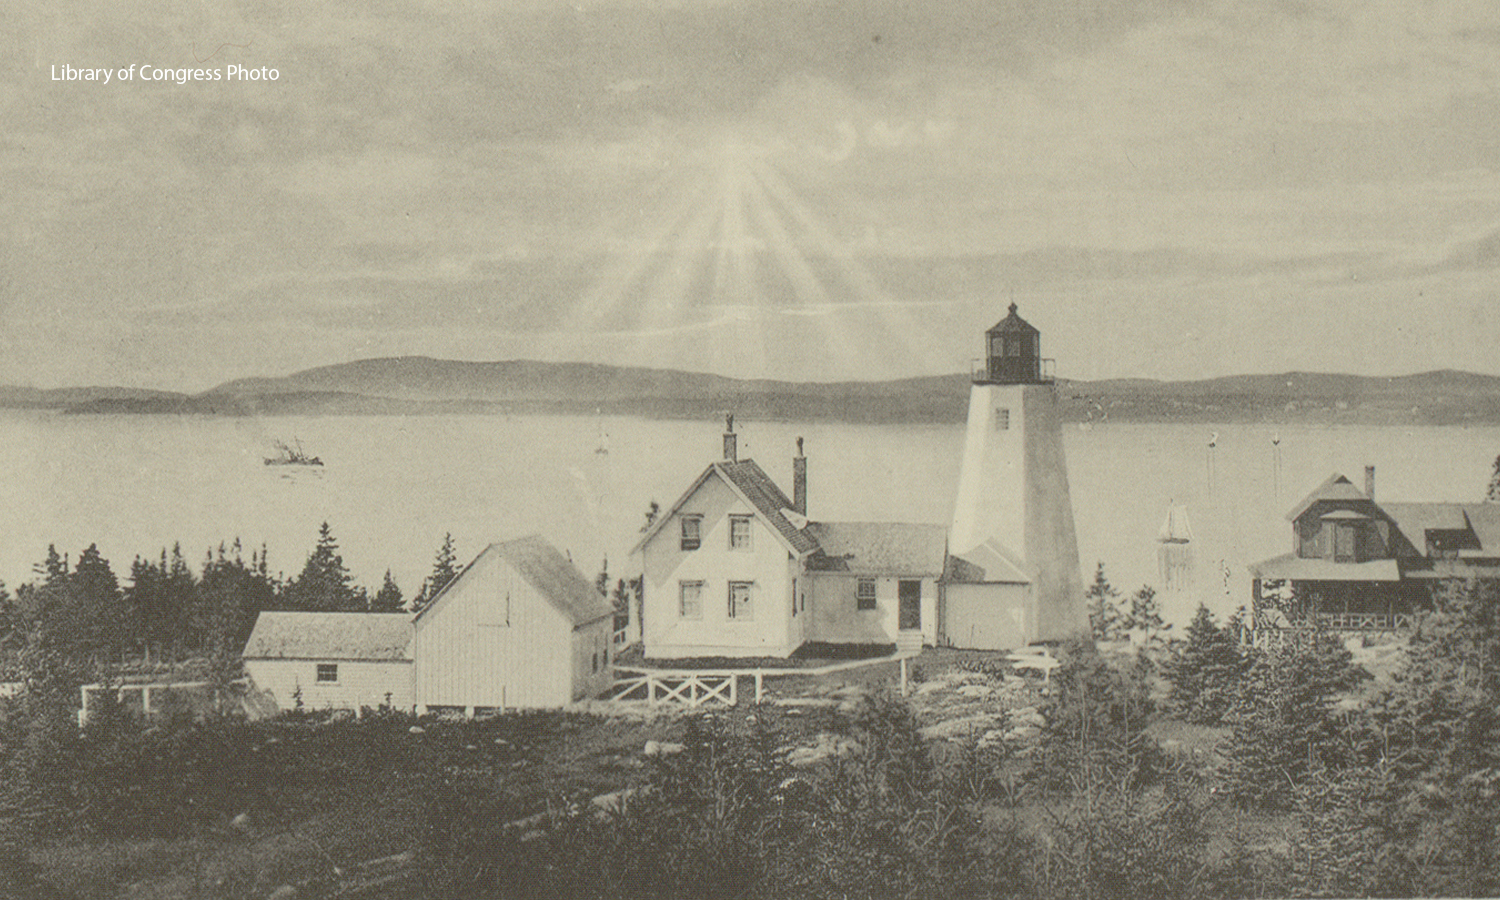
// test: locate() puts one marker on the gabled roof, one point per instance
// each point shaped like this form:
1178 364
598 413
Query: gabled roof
553 575
756 488
879 548
988 563
1337 487
331 636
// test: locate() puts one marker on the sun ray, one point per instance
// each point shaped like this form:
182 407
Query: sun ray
889 323
667 294
808 288
628 267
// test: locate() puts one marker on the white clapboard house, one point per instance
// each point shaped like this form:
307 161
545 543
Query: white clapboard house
735 568
520 627
332 660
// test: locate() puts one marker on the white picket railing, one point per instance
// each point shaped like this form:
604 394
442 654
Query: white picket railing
691 689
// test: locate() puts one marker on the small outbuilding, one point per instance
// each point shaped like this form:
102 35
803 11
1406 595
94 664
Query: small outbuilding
332 660
520 627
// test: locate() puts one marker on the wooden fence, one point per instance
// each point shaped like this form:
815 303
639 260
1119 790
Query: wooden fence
691 689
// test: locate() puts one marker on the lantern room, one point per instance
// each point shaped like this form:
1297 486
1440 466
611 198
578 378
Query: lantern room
1013 353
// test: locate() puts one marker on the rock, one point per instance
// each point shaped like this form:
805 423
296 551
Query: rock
932 687
503 744
975 690
470 747
285 892
805 702
416 729
241 823
662 748
750 720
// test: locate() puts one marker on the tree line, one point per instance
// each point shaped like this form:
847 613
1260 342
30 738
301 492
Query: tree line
165 611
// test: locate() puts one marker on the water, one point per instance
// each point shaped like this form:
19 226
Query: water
393 485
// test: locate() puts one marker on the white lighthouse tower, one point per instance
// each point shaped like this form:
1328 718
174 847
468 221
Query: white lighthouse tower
1012 535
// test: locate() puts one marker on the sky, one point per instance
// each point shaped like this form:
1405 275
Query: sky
797 189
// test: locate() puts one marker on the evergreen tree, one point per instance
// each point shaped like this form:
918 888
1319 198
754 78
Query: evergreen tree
1096 716
444 569
1103 600
1492 495
1205 671
1286 722
230 595
324 585
1144 615
1438 725
388 598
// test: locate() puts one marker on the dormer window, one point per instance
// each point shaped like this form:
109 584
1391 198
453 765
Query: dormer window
692 532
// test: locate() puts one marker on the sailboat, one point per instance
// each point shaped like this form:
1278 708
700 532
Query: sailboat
603 448
291 456
1175 554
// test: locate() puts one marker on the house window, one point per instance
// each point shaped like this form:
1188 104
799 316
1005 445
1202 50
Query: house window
1002 420
794 597
692 532
328 673
690 600
864 594
739 532
1343 543
739 599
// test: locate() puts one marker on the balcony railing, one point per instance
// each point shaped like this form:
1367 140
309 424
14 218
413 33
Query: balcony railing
979 370
1367 621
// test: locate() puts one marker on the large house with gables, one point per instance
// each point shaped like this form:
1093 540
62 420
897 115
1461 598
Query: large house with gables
735 568
1359 565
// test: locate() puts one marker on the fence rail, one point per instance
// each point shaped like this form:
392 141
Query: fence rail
1366 621
692 690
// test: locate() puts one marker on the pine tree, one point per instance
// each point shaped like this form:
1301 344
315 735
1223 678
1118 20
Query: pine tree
324 585
1103 606
1144 615
1492 495
1286 722
1205 671
444 570
229 596
388 599
1439 726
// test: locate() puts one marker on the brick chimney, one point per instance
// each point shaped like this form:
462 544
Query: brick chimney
799 481
1370 482
731 449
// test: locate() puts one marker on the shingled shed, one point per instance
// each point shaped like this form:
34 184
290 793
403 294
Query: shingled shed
519 627
338 660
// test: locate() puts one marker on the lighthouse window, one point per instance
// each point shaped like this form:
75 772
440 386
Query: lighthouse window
1013 346
1002 420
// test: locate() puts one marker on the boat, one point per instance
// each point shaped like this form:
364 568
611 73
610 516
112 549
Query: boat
292 456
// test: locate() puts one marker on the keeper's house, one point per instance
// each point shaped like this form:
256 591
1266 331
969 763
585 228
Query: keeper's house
519 627
336 660
734 568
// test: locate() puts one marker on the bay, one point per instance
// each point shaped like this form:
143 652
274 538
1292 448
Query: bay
392 486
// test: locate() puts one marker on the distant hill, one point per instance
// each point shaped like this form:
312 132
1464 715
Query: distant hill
421 385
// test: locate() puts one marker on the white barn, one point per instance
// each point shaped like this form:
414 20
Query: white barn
337 660
519 627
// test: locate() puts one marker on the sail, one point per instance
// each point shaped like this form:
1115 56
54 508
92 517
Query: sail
1175 529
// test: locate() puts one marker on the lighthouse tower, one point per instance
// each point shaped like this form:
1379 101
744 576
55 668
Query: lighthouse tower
1013 518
